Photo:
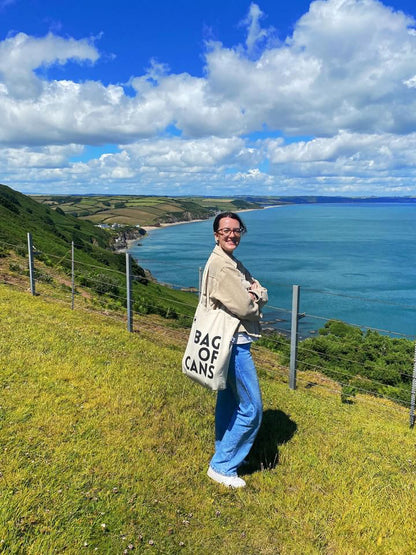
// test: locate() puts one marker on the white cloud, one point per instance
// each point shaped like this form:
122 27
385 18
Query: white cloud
345 164
346 78
197 153
21 55
349 65
253 176
359 156
344 68
255 33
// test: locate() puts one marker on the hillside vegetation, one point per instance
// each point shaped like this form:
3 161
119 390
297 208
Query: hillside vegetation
359 361
141 210
98 269
105 446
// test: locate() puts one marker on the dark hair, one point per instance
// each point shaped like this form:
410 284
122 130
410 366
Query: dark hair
231 215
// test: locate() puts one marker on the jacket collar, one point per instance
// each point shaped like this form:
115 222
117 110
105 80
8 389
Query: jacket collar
218 250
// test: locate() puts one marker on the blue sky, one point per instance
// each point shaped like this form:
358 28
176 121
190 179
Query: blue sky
208 97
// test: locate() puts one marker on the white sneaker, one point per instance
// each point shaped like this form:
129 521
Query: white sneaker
229 481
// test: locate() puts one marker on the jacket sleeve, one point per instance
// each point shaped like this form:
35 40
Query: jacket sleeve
228 289
261 293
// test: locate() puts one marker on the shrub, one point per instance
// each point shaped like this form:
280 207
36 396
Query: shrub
103 284
347 392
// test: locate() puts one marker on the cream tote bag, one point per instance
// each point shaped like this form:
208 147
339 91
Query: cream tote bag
207 354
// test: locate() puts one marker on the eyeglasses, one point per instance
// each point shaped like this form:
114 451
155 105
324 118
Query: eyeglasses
228 231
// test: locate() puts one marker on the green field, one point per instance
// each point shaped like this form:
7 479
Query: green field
141 210
105 446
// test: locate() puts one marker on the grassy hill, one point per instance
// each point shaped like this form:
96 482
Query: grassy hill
100 271
52 230
105 445
141 210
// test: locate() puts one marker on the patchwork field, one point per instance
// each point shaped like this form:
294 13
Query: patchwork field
141 210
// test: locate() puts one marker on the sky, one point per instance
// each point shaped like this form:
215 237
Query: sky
224 98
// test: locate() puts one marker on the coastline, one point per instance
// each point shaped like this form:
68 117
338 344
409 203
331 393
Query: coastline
147 228
160 226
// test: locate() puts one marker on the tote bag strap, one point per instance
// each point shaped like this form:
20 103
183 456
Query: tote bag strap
204 298
203 294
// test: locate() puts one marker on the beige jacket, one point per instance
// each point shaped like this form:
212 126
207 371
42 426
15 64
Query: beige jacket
227 285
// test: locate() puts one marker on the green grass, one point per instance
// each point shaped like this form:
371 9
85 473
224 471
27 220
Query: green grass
105 445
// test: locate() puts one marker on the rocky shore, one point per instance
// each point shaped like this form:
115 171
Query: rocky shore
127 237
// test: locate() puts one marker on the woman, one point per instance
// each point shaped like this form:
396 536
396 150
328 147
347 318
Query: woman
239 408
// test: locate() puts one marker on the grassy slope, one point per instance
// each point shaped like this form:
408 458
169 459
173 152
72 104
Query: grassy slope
104 444
52 234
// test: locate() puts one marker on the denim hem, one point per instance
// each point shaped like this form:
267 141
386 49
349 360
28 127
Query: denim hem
223 473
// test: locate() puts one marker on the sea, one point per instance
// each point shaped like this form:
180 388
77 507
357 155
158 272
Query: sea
352 262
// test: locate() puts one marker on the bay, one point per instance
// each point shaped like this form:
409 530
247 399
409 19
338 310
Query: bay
354 262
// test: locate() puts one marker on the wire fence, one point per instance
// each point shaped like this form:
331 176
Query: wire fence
79 279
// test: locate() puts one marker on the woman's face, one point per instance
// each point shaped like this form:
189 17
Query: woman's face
228 240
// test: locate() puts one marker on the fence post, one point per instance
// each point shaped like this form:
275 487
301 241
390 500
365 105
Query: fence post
31 265
294 337
413 397
72 274
129 300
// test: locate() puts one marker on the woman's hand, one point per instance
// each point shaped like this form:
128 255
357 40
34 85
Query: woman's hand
252 295
257 292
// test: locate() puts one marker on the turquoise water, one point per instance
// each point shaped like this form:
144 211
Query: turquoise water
352 262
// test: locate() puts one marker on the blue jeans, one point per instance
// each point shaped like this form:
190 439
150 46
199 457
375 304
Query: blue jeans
238 413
